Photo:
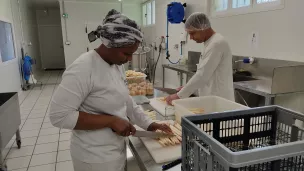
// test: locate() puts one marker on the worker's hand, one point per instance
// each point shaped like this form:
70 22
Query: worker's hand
179 88
122 127
170 98
162 127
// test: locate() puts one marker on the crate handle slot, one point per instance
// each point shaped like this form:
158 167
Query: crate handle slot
207 151
208 166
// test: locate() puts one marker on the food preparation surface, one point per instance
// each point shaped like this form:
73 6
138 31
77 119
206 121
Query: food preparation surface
162 153
144 159
159 153
161 107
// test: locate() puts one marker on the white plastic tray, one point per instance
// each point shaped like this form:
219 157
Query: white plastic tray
210 104
162 107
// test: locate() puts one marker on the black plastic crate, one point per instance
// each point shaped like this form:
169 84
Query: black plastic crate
259 139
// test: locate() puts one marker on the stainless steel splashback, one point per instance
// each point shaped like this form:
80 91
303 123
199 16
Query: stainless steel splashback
286 76
193 59
288 79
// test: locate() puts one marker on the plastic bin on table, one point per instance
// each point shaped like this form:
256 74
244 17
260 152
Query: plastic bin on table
210 104
259 139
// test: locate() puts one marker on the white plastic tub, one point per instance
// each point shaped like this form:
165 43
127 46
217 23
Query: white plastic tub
210 104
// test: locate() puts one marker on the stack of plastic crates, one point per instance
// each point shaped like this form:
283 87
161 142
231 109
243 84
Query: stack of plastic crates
260 139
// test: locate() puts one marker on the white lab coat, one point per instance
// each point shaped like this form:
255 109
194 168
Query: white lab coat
93 86
214 72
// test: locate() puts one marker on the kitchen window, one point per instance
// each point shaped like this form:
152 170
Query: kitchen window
221 8
148 13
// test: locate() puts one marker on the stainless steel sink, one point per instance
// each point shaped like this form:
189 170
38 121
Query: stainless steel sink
239 78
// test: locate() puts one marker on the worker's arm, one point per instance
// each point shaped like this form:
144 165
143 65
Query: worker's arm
204 72
136 114
70 94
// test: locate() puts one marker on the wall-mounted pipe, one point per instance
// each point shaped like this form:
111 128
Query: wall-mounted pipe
167 43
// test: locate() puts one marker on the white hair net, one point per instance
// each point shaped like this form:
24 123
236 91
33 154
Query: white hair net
119 31
197 21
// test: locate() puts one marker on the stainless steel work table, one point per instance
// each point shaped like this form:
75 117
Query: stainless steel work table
140 152
260 87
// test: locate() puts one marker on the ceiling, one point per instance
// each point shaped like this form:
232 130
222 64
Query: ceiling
55 4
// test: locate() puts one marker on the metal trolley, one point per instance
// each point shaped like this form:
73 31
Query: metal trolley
9 122
259 139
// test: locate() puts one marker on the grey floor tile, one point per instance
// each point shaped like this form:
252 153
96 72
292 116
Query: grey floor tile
34 121
18 163
48 167
64 145
47 125
64 156
46 148
65 136
32 126
24 151
42 159
65 166
27 142
49 131
27 134
48 139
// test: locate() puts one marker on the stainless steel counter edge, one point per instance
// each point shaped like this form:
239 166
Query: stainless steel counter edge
259 87
142 156
140 152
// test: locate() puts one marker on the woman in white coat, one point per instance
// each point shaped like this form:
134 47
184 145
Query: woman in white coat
93 99
214 71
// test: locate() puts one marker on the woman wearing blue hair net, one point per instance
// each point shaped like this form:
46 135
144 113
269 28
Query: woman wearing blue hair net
93 99
214 71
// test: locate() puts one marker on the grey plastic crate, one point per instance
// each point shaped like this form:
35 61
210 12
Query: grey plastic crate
259 139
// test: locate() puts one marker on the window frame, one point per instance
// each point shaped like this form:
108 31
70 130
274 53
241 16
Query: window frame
153 13
254 7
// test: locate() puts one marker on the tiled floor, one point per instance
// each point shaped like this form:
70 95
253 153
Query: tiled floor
44 147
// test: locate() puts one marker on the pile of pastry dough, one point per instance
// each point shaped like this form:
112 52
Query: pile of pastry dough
135 77
176 140
143 88
131 73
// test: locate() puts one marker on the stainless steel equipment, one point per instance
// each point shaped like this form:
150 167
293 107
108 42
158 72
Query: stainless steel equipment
140 59
193 60
10 121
